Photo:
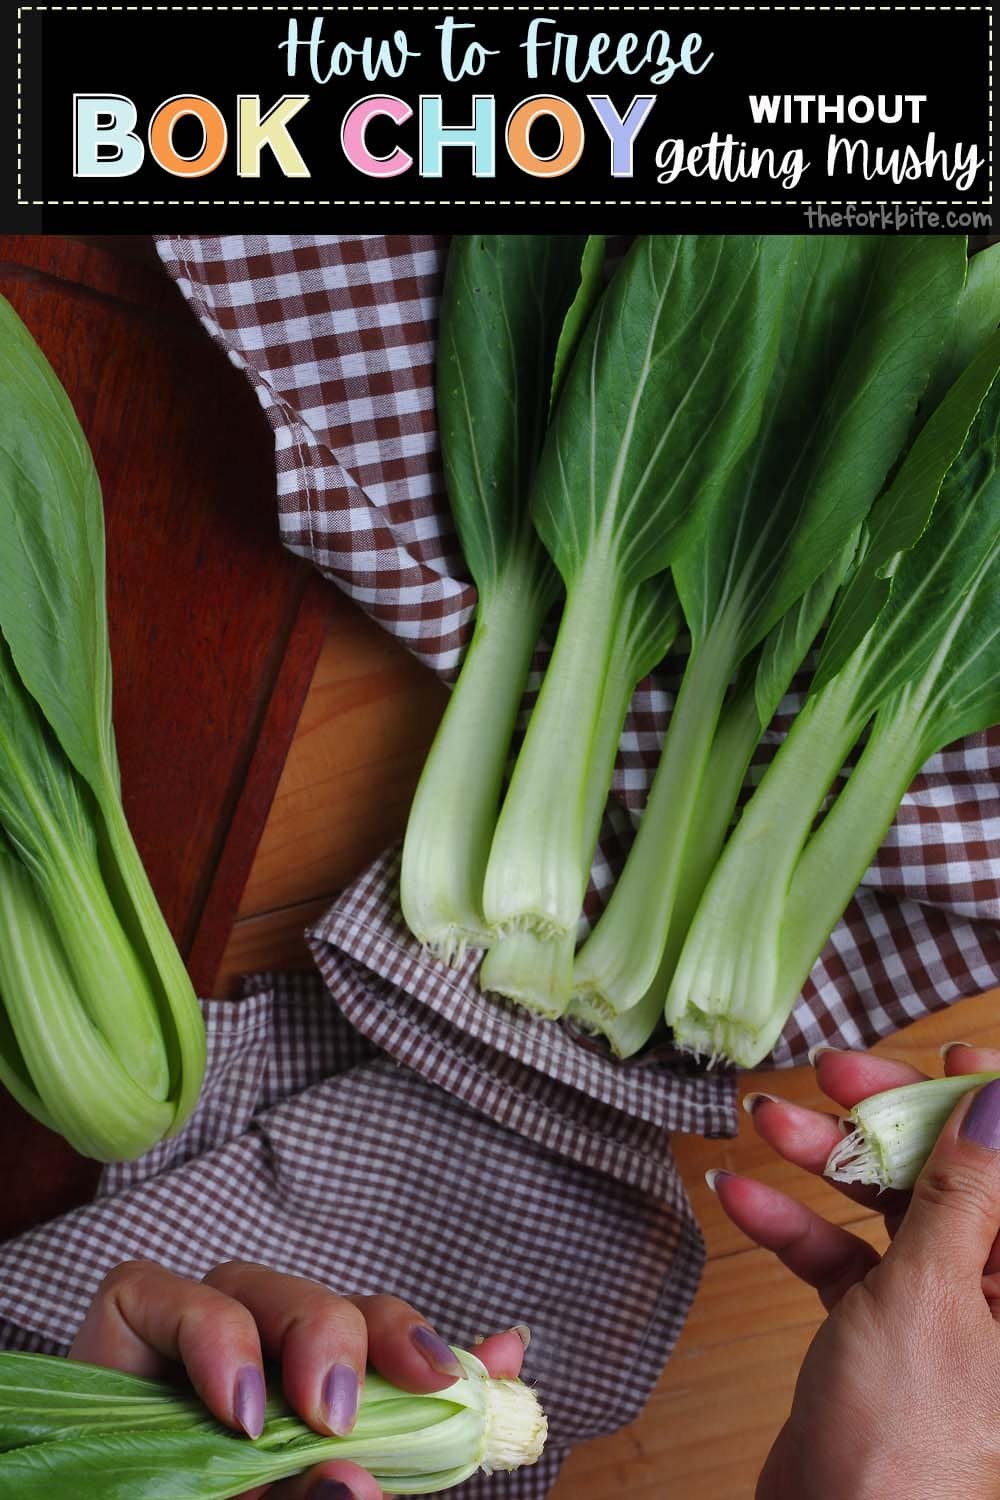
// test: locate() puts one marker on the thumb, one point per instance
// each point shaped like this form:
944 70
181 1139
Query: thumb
954 1213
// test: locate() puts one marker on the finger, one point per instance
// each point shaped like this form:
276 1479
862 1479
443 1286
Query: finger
319 1338
849 1077
823 1255
805 1137
404 1348
144 1316
503 1353
954 1212
959 1057
336 1480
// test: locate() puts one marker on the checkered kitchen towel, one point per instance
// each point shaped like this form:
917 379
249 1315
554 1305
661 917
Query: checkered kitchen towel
314 1153
507 1169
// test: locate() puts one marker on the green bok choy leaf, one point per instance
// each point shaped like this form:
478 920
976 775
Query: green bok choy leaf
101 1036
863 322
911 655
511 314
661 403
68 1429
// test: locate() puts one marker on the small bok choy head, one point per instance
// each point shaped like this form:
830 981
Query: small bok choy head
68 1429
511 314
101 1037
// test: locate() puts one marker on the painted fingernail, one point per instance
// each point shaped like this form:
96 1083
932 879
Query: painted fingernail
751 1101
982 1123
331 1489
249 1399
715 1176
523 1332
435 1351
817 1051
947 1046
340 1399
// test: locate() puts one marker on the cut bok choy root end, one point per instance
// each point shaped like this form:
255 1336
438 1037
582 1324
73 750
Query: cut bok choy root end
894 1132
66 1426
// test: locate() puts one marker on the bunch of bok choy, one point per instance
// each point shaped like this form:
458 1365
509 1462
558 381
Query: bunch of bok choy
761 432
101 1037
68 1429
912 659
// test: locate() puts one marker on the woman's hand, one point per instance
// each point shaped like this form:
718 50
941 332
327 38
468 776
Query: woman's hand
899 1394
146 1320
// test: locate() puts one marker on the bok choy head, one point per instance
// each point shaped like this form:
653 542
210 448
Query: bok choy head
660 404
862 323
101 1035
511 314
913 656
68 1429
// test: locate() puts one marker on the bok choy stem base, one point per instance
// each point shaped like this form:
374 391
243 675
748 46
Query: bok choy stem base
451 822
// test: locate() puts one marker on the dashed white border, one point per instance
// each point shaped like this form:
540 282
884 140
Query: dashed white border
967 203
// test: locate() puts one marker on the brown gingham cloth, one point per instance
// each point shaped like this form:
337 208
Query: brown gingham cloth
442 1146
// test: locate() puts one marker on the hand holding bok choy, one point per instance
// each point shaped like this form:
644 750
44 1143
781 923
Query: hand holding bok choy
101 1036
425 1418
896 1394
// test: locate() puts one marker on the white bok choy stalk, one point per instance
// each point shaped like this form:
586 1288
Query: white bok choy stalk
534 970
68 1429
511 313
762 682
662 401
894 1132
913 656
862 324
101 1036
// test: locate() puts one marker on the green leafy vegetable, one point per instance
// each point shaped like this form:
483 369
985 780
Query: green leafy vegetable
662 401
510 309
862 323
102 1036
535 970
924 672
894 1132
67 1429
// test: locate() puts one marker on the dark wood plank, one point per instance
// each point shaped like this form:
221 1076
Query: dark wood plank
214 628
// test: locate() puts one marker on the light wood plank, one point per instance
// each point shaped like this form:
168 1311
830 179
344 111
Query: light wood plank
708 1426
368 721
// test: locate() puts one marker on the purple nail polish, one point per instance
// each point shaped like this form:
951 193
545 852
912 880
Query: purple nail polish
340 1399
982 1123
249 1399
435 1351
716 1175
331 1489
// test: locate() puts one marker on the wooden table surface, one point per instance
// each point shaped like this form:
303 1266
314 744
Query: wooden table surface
368 719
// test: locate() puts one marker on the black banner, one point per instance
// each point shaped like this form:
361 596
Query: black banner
737 117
